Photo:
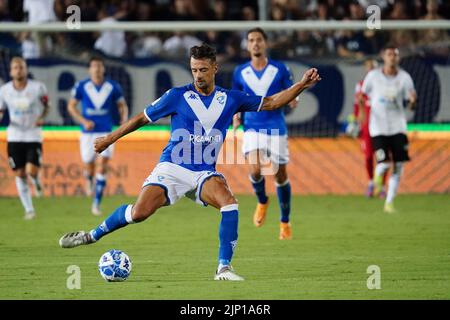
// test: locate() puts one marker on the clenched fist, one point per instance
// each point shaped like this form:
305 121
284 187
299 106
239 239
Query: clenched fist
101 144
310 77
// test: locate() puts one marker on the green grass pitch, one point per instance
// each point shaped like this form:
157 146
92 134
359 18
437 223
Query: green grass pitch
174 252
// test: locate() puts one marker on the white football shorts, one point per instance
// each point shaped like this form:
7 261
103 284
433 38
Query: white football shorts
178 181
275 146
87 146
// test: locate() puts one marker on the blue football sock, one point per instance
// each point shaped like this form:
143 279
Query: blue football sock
284 200
118 219
100 183
260 189
228 233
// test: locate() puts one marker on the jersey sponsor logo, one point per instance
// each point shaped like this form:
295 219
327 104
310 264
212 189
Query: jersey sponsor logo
96 112
22 103
195 138
259 86
207 116
196 147
98 98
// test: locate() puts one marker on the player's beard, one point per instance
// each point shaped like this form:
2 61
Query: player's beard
20 79
201 84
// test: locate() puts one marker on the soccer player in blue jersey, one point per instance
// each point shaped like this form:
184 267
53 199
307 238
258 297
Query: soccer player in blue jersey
99 97
200 115
265 132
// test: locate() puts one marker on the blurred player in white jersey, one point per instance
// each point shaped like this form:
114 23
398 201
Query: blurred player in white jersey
265 133
98 96
362 117
27 103
388 88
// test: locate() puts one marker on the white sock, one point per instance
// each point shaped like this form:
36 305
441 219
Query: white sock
381 168
394 181
24 194
221 266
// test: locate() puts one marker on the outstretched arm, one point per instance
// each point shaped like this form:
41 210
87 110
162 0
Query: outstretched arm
310 77
131 125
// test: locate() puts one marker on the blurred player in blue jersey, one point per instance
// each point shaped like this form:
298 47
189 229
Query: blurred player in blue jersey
99 97
265 133
200 115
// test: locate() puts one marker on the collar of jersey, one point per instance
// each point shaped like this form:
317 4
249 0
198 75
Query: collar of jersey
259 73
97 87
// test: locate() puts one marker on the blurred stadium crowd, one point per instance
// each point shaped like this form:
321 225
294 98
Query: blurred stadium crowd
230 45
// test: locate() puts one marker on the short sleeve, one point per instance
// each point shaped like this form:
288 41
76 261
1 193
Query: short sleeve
358 87
117 92
288 79
236 83
26 5
2 101
43 92
76 92
162 107
408 86
248 102
367 84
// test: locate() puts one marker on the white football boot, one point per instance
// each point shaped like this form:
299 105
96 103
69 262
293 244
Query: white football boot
227 273
95 209
30 215
75 239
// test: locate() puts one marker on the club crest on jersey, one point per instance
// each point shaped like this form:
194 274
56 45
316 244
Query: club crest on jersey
221 99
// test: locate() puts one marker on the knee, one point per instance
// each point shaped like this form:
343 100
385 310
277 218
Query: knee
20 174
32 174
398 168
255 174
229 200
281 177
102 169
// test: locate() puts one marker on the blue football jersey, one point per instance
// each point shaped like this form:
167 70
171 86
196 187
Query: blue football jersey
275 77
198 123
98 102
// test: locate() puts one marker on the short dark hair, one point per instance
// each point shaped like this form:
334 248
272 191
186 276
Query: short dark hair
258 30
96 58
204 51
389 46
